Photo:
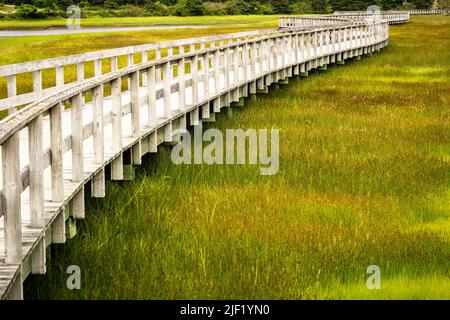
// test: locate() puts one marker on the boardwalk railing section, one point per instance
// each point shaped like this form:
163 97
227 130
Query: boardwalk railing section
411 12
55 148
70 70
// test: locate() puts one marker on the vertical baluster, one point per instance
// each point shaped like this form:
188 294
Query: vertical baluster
37 81
144 59
98 67
11 197
80 71
60 76
56 153
12 90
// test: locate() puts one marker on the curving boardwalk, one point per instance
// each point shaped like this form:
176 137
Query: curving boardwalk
66 142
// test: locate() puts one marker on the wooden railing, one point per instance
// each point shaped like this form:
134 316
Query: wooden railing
429 11
58 67
52 148
393 17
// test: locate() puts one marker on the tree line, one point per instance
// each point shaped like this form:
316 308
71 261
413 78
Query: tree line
42 8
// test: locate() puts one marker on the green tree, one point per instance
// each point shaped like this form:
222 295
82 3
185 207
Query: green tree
321 6
280 6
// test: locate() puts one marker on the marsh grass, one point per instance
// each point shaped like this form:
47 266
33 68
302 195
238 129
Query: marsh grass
364 180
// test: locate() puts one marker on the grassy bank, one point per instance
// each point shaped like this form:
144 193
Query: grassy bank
137 21
364 180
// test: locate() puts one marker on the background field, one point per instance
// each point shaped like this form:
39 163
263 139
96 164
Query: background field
364 179
137 21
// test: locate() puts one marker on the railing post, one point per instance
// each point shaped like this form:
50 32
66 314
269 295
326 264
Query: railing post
36 169
151 96
37 81
12 90
135 119
77 138
59 76
181 84
116 100
11 196
207 76
167 90
56 153
194 76
98 183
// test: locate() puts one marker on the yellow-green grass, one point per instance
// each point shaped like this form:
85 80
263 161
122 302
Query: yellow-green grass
137 21
364 180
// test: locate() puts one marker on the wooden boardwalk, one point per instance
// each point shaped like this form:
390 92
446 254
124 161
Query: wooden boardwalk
68 141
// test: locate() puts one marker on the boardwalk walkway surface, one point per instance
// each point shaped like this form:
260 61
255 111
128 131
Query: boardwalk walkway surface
74 137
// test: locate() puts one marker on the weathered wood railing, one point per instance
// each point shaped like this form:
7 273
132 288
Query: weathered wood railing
53 148
429 11
394 17
101 61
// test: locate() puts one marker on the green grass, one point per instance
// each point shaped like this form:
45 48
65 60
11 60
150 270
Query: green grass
138 21
364 179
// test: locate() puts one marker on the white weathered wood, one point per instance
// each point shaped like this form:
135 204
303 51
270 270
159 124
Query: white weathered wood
77 208
167 90
37 81
38 257
56 153
36 167
11 198
194 76
151 96
116 100
12 91
77 138
181 84
135 119
59 228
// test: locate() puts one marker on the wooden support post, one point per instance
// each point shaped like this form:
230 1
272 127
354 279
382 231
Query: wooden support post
77 138
38 257
167 91
116 100
135 119
77 208
181 85
60 76
36 173
98 182
12 91
59 228
37 81
194 74
151 96
56 153
11 197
